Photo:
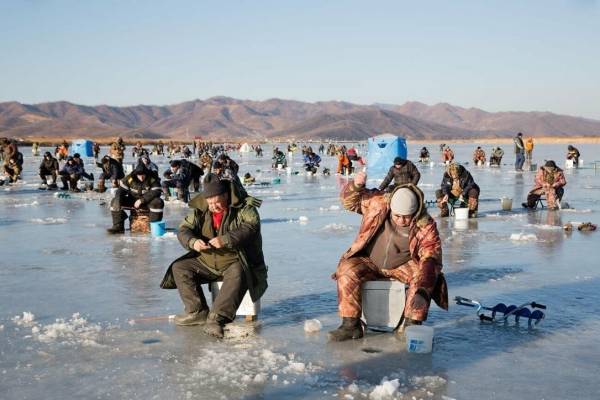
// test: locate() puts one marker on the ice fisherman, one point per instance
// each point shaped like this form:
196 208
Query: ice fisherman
145 160
457 186
117 150
311 161
402 172
70 175
111 170
424 155
176 177
550 181
224 243
496 156
519 152
48 167
77 158
12 168
573 154
139 190
398 240
479 156
447 155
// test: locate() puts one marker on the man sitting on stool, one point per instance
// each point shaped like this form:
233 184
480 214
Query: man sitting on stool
222 234
139 190
549 180
397 240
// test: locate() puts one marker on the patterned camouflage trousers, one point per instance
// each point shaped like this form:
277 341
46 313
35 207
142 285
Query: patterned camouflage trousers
352 272
552 196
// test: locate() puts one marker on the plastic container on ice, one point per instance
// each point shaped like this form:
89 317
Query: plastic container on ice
382 151
506 203
461 213
383 303
419 339
158 228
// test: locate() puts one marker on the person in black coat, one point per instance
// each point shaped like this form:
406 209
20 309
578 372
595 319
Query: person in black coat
458 186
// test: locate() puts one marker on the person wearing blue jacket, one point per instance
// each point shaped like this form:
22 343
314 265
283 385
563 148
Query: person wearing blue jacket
311 161
177 177
70 175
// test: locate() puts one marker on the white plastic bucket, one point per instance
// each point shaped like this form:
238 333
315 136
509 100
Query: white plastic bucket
569 164
419 338
461 213
506 203
279 166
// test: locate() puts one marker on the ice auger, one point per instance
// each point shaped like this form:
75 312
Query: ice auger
534 317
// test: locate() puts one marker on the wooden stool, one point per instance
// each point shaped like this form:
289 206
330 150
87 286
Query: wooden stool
247 308
139 221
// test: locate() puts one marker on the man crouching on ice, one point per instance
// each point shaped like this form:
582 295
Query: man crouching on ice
397 240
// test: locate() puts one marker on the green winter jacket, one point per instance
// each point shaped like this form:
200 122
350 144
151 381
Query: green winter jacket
240 231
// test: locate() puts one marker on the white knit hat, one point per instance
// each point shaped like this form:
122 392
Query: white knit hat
404 202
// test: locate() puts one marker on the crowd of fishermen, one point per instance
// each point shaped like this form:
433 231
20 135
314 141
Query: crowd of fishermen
397 238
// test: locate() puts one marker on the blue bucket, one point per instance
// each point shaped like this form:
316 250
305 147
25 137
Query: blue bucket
158 228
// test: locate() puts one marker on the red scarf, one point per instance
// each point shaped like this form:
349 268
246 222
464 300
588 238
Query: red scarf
217 219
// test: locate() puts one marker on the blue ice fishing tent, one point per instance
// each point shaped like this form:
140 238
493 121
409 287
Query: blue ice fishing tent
83 147
382 151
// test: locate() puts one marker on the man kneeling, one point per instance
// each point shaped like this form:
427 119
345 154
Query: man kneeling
397 240
222 234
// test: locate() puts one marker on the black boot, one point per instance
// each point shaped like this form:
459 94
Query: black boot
118 223
351 328
214 325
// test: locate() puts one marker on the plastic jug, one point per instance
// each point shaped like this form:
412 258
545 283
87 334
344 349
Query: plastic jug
419 338
461 213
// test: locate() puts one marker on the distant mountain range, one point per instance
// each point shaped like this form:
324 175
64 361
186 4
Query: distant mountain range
223 118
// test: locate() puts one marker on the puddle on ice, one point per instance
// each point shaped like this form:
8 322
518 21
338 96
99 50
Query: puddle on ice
59 266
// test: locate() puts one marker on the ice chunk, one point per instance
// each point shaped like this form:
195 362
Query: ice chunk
385 390
312 325
49 221
523 237
430 382
336 228
26 319
303 219
353 388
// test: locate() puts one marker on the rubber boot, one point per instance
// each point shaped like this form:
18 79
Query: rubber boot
214 325
473 204
118 218
444 210
351 328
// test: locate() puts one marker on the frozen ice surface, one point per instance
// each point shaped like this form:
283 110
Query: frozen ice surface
75 289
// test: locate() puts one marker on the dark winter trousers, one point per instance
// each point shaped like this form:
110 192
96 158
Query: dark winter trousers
45 172
69 180
124 199
191 273
472 201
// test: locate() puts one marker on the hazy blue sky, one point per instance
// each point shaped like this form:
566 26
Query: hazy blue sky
496 55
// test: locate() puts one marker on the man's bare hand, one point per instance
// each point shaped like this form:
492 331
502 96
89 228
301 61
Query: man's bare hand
137 204
360 179
217 242
445 199
199 245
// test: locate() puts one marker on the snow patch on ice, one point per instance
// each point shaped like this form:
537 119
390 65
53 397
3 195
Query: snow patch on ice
26 320
385 390
74 331
523 237
336 228
303 219
32 204
49 221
